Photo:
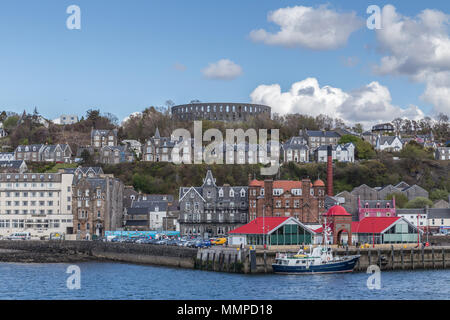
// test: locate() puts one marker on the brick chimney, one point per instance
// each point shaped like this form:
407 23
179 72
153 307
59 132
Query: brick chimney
330 171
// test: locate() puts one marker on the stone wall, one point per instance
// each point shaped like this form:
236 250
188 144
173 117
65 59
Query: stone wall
82 250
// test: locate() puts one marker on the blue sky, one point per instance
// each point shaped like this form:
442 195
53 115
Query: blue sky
123 58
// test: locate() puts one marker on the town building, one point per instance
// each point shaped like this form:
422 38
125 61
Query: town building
13 166
160 149
149 212
283 198
434 220
134 146
370 137
383 128
115 155
103 138
384 230
272 231
67 119
349 200
29 152
317 138
7 156
442 153
44 153
389 144
376 208
295 150
39 203
212 210
97 206
61 153
340 153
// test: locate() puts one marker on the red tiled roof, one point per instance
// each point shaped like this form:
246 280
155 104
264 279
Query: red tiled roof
286 185
373 224
319 183
256 183
256 226
337 211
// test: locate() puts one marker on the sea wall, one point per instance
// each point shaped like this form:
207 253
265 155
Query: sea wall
70 251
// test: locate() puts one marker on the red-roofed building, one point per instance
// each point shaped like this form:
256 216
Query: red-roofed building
287 198
381 230
272 231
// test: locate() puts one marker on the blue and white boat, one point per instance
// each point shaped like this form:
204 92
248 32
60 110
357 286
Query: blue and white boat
320 260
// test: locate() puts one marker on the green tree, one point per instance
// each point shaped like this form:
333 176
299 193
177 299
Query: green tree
419 202
10 123
363 149
439 194
400 199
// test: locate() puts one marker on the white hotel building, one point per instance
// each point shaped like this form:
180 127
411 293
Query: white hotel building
36 202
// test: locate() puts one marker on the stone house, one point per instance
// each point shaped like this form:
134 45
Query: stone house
29 152
57 153
97 204
211 210
103 138
115 155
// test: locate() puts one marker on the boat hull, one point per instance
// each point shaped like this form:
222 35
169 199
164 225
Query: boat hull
332 267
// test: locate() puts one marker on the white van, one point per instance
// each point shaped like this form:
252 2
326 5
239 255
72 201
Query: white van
20 236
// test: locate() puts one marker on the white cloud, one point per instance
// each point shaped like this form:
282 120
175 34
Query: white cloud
418 48
223 69
367 105
313 28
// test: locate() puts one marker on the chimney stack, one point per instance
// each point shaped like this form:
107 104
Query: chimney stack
330 171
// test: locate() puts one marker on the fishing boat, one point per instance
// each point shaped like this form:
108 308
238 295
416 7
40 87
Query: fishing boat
319 260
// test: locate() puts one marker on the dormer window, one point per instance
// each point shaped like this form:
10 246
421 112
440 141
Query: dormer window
366 205
220 192
231 193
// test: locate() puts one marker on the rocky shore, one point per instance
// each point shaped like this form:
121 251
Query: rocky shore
23 256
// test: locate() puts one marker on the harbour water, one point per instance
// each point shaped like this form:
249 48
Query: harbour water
101 280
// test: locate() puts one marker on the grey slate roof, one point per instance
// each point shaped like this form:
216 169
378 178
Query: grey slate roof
319 133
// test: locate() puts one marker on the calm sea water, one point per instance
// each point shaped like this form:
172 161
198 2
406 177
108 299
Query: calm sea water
127 281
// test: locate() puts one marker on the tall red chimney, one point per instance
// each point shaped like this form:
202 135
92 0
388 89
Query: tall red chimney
330 171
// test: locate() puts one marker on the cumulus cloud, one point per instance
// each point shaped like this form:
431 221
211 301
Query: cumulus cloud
223 69
418 48
314 28
367 105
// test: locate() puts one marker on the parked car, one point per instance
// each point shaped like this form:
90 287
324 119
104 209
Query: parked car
19 236
220 241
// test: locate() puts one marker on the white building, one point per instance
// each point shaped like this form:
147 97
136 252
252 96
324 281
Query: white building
134 145
35 202
388 143
340 153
